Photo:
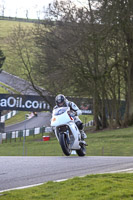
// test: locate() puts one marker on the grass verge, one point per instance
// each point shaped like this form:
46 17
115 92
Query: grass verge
105 143
8 87
19 117
33 146
91 187
2 90
86 118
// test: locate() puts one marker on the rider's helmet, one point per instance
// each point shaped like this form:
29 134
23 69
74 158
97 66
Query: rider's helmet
60 100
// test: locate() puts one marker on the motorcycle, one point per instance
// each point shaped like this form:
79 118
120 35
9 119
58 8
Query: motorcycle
67 132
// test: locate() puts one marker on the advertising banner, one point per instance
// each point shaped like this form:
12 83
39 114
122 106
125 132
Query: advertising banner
23 102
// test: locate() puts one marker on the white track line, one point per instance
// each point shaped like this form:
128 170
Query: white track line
28 186
23 187
122 170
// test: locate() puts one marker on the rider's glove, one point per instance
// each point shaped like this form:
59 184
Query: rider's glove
78 112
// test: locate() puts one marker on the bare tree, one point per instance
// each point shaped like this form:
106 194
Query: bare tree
71 51
82 51
27 14
118 15
2 59
23 53
3 8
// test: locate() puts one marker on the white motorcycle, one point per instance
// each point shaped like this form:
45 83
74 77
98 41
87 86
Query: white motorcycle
67 132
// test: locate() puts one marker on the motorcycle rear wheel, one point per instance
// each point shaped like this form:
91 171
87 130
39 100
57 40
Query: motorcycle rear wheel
64 144
81 151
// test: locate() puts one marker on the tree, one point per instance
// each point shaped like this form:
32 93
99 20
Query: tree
84 51
27 14
74 54
119 15
2 59
23 54
2 8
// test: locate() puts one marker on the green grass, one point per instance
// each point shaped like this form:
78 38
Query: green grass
2 90
11 63
34 146
6 27
86 118
8 87
111 142
105 143
19 117
91 187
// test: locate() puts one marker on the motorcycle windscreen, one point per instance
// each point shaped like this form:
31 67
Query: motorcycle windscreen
60 118
59 111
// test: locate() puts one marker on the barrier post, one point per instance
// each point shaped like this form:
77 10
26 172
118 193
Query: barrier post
24 136
0 138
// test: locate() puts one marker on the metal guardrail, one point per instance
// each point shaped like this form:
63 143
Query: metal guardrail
23 133
8 115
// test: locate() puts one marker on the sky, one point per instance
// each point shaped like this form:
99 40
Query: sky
18 8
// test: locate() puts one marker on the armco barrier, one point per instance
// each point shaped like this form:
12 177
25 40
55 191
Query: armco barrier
27 132
0 138
8 115
13 113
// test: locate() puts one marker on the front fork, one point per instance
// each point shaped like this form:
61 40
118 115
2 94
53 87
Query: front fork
67 136
66 133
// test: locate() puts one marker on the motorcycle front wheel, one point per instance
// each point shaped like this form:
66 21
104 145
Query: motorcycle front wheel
64 144
81 151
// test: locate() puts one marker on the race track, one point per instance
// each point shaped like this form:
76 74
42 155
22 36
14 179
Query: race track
24 171
43 119
20 85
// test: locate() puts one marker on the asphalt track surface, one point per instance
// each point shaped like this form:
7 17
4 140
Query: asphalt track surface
43 119
24 171
20 85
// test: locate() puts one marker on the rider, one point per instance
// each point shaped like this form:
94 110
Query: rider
60 101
